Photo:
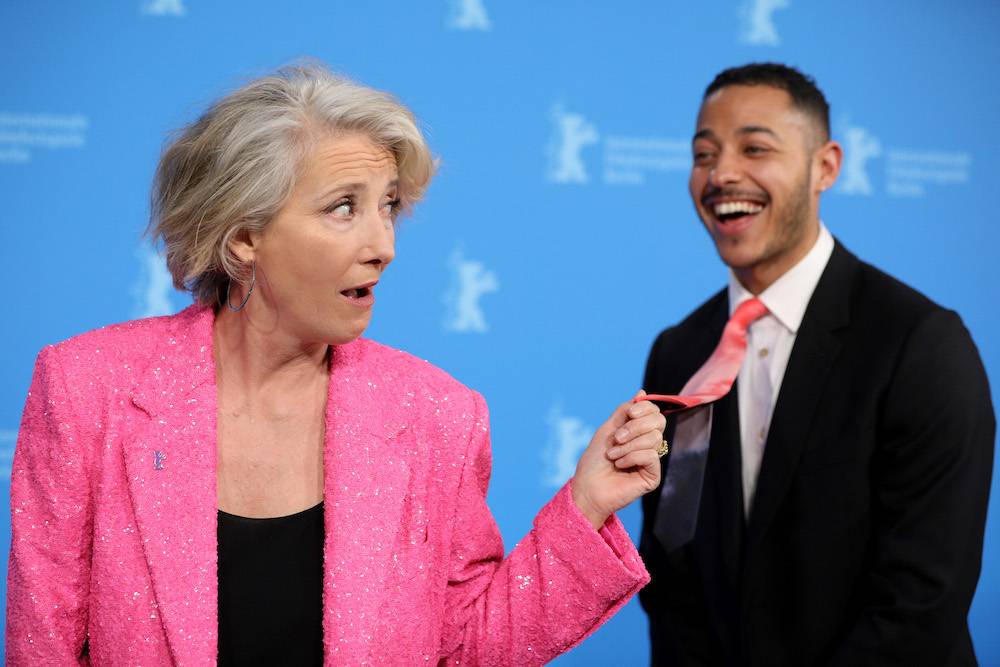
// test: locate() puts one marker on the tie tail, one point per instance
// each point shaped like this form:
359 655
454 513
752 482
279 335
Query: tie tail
670 403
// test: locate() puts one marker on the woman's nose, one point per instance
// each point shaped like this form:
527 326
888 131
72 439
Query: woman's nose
381 247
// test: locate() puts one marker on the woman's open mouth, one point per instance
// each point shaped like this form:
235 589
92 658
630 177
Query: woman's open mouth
363 296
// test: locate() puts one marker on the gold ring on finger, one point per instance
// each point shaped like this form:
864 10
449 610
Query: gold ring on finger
662 450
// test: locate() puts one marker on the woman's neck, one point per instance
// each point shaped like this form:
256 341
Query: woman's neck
262 366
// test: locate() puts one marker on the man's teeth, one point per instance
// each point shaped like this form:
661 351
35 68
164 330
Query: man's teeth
730 207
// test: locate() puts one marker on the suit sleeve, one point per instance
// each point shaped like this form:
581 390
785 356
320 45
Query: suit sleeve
561 582
51 525
932 487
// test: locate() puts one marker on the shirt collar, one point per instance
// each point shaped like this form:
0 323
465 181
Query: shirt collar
787 297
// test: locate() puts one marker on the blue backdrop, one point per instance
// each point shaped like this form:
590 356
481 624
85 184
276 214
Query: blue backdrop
558 237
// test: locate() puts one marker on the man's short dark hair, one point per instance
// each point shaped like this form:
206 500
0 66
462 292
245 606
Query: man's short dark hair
806 96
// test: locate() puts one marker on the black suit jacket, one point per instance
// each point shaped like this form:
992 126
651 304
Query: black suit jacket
865 540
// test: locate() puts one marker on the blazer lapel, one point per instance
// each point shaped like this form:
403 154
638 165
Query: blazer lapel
719 538
694 345
170 463
816 348
367 478
170 460
720 523
726 483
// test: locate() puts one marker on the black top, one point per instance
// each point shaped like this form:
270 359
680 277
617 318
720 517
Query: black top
271 589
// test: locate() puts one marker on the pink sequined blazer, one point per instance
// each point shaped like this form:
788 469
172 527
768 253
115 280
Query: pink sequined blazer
113 505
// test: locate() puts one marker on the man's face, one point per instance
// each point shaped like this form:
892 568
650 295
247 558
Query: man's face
759 166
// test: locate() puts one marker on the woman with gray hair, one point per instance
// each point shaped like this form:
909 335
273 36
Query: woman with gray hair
249 481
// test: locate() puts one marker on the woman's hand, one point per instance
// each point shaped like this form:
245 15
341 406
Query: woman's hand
620 464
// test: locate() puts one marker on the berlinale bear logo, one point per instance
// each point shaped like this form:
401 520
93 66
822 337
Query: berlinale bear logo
572 134
859 147
164 8
468 15
568 437
470 281
758 22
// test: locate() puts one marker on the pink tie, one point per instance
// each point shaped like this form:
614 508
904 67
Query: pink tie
716 376
677 511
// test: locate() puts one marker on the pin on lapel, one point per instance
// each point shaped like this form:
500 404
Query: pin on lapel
158 458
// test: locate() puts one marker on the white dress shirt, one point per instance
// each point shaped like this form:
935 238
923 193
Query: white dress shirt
769 344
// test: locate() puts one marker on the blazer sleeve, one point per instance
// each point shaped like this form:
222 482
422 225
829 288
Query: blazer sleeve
931 493
51 525
561 582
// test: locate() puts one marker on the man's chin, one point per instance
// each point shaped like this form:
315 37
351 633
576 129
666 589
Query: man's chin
737 254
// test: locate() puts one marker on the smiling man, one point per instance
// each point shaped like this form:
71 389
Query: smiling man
829 508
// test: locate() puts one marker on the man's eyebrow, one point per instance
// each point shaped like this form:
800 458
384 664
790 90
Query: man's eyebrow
746 129
753 129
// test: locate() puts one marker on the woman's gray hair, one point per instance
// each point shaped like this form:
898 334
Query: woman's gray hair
232 170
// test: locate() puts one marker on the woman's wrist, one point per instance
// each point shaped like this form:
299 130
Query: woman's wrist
596 517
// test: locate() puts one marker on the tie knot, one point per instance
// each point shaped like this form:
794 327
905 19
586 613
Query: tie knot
749 311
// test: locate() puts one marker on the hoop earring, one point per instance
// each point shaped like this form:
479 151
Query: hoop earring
253 281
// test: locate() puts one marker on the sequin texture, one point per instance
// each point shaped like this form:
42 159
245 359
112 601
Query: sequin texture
115 546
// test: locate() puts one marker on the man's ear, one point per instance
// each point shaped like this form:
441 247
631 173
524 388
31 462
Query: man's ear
827 163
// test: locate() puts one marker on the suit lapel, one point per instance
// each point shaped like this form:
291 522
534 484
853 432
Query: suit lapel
725 472
695 344
719 520
719 538
367 478
817 345
170 464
